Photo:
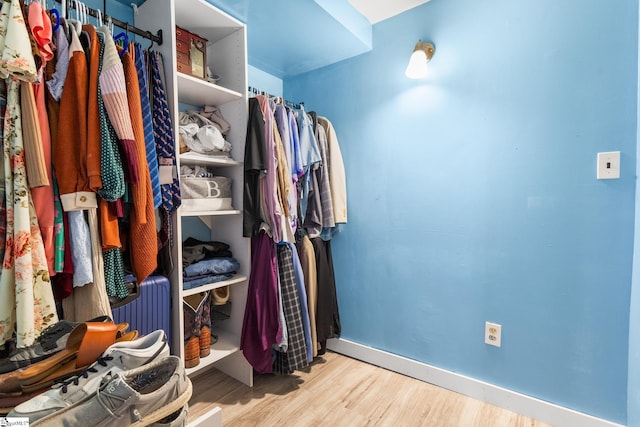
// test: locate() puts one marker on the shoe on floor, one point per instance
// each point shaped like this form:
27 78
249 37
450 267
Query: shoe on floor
119 357
52 340
136 398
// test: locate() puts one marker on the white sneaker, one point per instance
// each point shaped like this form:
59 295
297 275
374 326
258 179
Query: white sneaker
135 398
119 357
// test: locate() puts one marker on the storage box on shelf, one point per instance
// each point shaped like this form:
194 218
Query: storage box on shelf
226 56
191 53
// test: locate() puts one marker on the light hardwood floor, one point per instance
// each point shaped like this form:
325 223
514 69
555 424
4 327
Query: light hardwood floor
339 391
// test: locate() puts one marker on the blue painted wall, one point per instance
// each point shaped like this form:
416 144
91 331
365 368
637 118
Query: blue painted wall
633 383
264 81
472 193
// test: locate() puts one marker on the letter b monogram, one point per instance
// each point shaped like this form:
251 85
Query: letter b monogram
214 189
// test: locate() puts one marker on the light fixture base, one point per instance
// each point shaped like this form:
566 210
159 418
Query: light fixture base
428 48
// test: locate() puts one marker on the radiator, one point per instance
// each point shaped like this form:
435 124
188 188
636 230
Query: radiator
151 310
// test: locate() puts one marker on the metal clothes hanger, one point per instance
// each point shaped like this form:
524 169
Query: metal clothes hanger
99 22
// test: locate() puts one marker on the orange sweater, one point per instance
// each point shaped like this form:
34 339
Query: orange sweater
93 116
70 156
144 250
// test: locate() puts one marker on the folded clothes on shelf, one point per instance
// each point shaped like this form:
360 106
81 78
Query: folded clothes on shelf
212 266
195 250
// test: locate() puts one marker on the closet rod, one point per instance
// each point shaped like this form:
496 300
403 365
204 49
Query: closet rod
290 104
157 38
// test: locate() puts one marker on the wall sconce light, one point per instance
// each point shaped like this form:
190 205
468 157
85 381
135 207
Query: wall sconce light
422 53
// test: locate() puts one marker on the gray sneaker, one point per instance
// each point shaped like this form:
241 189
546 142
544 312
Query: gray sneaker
138 397
119 357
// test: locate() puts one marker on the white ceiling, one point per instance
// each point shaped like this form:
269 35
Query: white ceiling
379 10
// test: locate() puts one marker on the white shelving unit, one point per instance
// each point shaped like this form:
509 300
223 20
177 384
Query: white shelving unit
194 91
238 278
227 57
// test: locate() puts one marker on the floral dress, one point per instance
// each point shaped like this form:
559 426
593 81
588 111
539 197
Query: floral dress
27 305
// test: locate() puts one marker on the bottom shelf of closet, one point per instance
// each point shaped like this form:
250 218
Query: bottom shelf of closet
224 347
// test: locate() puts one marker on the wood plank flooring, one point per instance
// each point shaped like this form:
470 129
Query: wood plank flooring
339 391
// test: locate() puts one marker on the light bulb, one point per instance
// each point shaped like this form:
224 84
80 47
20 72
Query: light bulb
417 67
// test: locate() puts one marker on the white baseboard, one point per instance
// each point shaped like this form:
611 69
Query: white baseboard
549 413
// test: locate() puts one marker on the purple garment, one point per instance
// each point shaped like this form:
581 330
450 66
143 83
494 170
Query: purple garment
261 327
269 186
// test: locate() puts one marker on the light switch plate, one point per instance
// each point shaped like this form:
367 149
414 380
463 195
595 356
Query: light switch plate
608 166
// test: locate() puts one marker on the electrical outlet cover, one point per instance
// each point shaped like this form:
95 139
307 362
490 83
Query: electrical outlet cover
493 334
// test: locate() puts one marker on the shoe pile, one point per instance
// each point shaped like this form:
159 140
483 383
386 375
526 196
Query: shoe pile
62 350
133 382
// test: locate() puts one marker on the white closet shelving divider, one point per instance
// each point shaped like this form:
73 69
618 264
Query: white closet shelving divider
227 57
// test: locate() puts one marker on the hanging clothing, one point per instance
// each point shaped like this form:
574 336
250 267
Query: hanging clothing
255 166
70 154
55 81
40 25
327 316
62 282
144 240
307 258
55 74
164 137
16 55
284 129
111 162
337 176
59 231
26 298
288 187
80 244
150 142
38 163
310 155
260 328
268 185
297 167
33 147
77 158
27 305
283 190
302 297
114 96
111 167
43 197
165 150
296 355
322 179
76 307
94 136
